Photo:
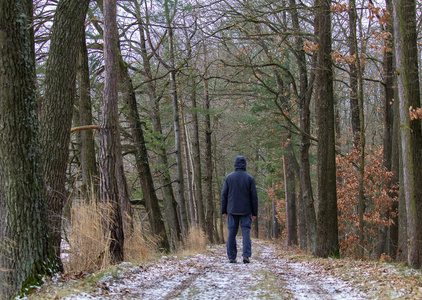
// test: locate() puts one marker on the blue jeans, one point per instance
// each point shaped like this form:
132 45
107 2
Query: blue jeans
233 226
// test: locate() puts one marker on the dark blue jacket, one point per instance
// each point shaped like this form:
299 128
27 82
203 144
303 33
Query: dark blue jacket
239 195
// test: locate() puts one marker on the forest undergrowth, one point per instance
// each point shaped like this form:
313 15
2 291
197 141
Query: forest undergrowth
202 271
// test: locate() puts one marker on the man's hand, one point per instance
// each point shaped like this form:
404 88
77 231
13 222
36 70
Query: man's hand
253 218
224 215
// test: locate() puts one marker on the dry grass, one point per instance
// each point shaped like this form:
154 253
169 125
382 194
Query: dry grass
87 245
137 246
196 242
87 248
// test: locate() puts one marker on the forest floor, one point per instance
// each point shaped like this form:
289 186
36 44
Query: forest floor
274 273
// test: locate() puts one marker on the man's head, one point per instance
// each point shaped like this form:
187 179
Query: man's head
240 162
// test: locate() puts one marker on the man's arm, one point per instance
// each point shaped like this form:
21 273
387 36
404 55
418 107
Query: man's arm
254 199
224 198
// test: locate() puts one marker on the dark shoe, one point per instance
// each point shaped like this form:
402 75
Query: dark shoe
246 260
232 261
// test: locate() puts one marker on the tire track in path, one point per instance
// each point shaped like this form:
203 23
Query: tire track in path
209 276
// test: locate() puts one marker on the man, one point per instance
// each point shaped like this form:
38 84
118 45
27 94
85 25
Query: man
239 203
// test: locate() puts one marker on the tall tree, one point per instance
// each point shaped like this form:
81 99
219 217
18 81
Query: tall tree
89 168
141 156
108 130
353 72
357 112
305 96
196 160
290 186
327 225
209 196
406 51
170 205
390 156
25 251
57 107
176 116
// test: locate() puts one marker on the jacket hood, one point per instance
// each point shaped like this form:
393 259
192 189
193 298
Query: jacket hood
240 163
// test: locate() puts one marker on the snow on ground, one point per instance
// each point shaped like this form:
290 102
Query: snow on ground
211 276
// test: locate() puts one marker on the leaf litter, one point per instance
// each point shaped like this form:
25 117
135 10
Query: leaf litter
274 273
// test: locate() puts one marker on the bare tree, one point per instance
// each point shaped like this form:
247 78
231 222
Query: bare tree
327 224
109 194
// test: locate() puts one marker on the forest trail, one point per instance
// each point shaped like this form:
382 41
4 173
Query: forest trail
211 276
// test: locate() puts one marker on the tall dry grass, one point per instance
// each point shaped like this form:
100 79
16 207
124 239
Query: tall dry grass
139 245
87 247
196 242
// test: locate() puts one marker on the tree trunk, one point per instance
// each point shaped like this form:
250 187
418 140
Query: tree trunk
405 35
108 129
274 221
124 203
176 125
141 156
188 167
290 184
196 160
219 188
388 78
89 169
57 107
208 162
305 126
26 254
327 224
353 66
165 179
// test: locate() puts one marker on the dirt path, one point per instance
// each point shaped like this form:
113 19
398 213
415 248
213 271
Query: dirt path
210 276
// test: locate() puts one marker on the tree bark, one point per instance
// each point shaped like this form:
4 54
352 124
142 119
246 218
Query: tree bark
305 141
141 156
124 203
89 168
196 162
275 223
327 224
353 71
290 184
176 125
388 78
109 194
57 107
188 167
405 35
209 196
26 254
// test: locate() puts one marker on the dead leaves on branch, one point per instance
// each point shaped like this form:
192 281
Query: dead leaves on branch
379 193
415 113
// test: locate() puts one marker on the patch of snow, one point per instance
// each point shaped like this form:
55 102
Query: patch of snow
211 276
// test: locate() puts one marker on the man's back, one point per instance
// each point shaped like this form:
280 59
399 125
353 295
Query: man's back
239 194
